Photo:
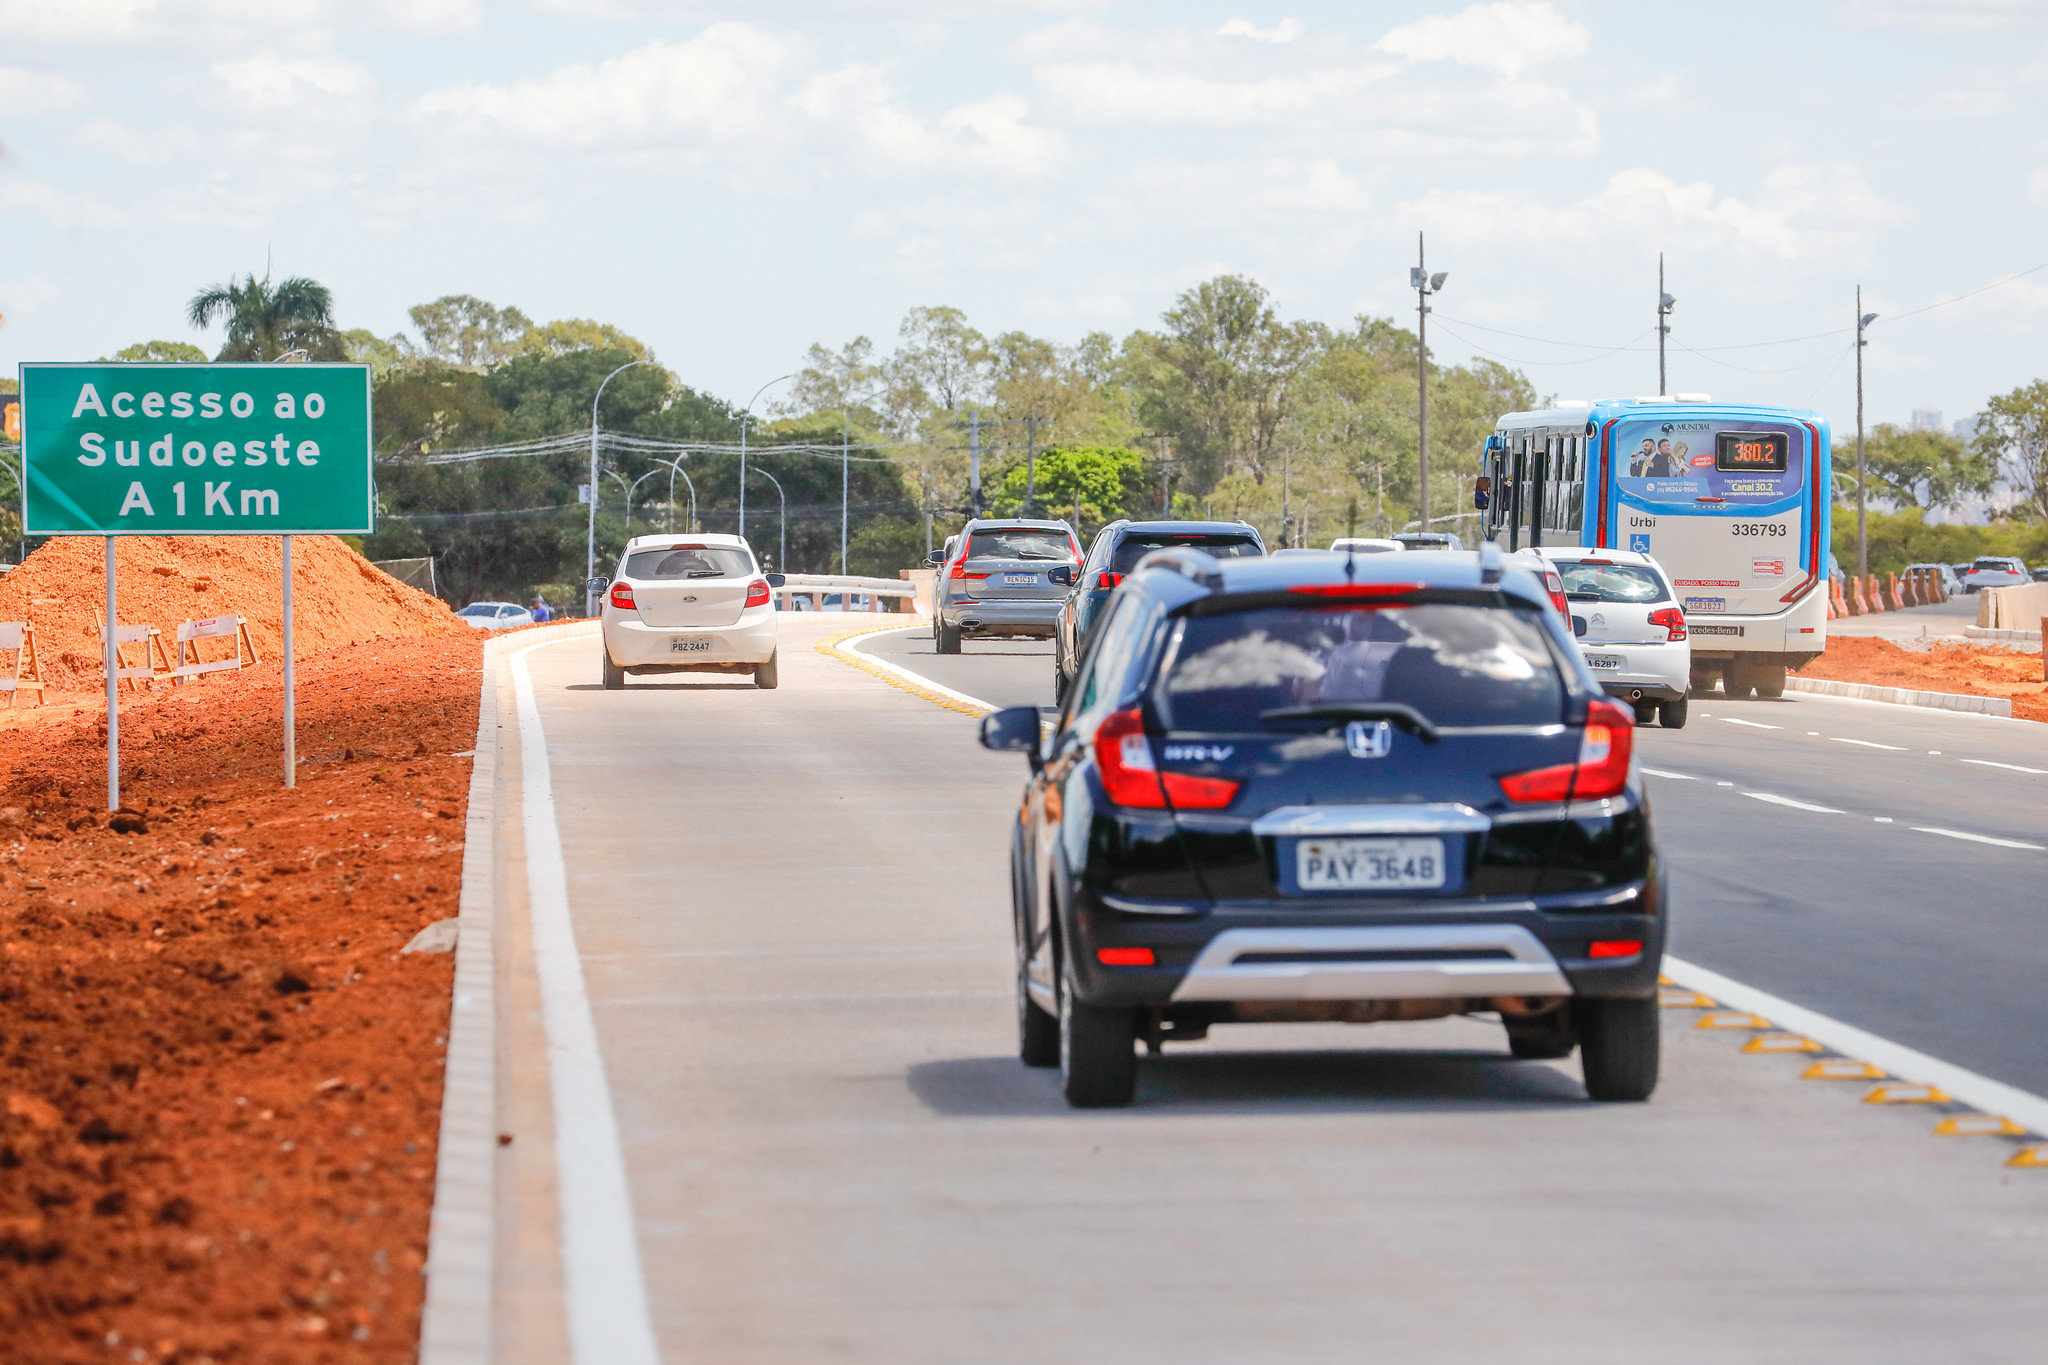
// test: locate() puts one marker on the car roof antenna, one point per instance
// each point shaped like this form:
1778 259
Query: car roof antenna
1351 543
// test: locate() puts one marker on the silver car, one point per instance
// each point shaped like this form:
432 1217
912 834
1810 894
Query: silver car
993 581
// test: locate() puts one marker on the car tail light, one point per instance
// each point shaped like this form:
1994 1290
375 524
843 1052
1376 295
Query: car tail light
1106 579
1124 758
622 596
1189 792
757 593
1615 947
1076 546
960 571
1124 957
1555 586
1356 590
1602 769
1672 619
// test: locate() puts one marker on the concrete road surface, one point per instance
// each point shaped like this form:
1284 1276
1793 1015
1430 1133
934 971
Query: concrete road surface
792 912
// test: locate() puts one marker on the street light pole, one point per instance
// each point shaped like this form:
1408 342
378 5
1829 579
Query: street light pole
675 467
1664 304
1424 284
590 535
1863 321
746 414
782 552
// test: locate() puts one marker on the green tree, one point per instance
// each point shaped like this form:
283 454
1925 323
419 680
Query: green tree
265 321
384 355
2014 432
1924 469
571 335
1100 479
161 353
464 331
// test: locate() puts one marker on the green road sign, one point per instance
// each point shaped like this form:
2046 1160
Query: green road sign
186 450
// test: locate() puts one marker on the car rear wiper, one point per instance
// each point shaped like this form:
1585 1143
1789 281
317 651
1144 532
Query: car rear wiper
704 573
1403 715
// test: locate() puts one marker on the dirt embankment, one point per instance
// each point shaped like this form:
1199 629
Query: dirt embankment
1967 669
219 1081
338 597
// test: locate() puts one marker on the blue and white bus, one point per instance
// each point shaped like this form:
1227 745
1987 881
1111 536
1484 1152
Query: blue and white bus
1731 498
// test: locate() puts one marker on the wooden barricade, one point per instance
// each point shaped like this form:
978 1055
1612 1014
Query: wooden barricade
152 641
233 629
20 637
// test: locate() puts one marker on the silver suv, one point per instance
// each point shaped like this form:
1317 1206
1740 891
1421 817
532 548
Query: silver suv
994 582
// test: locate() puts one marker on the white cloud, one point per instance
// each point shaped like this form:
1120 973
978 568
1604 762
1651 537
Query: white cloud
61 207
73 21
28 295
2037 189
1942 15
1509 37
202 22
268 83
24 92
1665 91
1286 31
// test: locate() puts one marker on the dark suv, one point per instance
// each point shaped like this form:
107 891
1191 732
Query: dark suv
1319 788
1117 549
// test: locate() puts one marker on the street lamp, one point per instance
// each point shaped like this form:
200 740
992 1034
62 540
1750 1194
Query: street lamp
782 551
1424 284
631 489
675 467
590 539
746 413
1863 320
1665 303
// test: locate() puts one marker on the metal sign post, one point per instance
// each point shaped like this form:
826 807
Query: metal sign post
179 450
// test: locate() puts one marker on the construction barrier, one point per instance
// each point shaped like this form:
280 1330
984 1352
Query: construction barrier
1845 596
20 638
152 641
2016 608
231 628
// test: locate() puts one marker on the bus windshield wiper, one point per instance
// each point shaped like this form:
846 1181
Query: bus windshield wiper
1403 715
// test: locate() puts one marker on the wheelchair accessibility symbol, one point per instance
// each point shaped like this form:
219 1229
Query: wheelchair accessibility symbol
1639 544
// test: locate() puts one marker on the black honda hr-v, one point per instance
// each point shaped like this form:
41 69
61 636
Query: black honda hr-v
1319 788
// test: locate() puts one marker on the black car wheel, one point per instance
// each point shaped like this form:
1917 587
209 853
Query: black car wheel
1098 1056
1671 714
1038 1033
614 676
949 639
1618 1047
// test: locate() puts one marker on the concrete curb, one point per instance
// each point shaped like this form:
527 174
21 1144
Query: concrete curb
455 1321
2023 637
897 677
1903 696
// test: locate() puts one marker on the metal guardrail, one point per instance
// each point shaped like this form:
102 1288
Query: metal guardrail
815 585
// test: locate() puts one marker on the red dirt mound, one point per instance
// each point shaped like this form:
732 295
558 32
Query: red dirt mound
338 597
1965 669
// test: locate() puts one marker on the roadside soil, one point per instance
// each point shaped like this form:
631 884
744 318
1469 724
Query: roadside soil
1971 670
220 1081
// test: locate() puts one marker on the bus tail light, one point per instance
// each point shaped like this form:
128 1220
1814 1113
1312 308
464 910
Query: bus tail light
1672 619
622 596
1602 769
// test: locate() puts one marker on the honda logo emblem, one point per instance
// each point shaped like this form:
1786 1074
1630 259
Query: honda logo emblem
1369 738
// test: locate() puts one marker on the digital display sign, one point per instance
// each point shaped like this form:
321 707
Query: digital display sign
1764 452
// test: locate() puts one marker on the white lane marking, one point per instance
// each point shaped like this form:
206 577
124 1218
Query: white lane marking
854 647
2010 767
1752 724
605 1293
1813 734
1936 753
1659 772
1867 743
1979 1092
1795 805
1977 838
1881 819
1724 784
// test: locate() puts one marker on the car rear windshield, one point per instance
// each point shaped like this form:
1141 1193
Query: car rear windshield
1020 542
1585 582
1457 664
1995 565
479 609
688 561
1138 544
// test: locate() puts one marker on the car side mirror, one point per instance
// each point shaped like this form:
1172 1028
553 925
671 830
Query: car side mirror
934 559
598 584
1062 574
1578 625
776 580
1014 729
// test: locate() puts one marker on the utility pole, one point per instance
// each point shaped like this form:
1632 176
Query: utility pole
1030 465
1424 284
1165 497
974 462
1286 508
1863 321
1664 302
1379 499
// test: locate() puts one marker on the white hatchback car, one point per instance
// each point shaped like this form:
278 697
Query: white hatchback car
1629 628
689 604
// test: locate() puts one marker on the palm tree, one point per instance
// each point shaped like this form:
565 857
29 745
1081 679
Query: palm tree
265 321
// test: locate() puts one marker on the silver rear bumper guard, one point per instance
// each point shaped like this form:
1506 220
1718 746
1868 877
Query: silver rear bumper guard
1391 962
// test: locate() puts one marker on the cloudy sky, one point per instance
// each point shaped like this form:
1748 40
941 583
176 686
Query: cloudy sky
732 183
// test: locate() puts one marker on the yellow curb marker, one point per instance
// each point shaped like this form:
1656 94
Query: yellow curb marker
1685 1000
1841 1069
1899 1092
1978 1125
1732 1019
1780 1042
1664 980
829 647
2030 1156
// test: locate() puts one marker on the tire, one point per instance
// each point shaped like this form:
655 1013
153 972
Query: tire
1038 1033
1671 714
949 639
614 676
1737 680
1098 1056
1769 681
1646 711
1059 685
768 675
1618 1048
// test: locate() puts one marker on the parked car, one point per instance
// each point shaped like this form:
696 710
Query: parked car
495 615
1950 583
1994 571
1628 627
1365 545
689 604
2041 574
1428 540
1314 789
1117 549
998 581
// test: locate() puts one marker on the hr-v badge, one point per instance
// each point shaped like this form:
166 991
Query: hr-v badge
1369 738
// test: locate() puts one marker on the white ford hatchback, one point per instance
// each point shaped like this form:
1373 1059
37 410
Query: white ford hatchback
689 604
1629 628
